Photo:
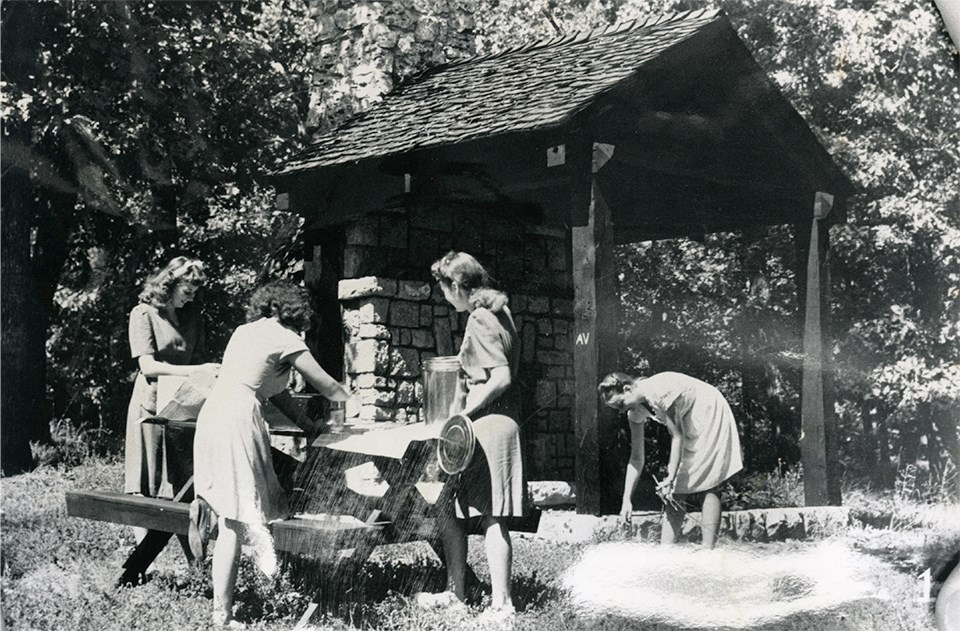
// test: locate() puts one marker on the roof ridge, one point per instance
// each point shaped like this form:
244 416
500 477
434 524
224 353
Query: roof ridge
572 37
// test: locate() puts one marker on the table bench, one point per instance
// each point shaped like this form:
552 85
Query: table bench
332 523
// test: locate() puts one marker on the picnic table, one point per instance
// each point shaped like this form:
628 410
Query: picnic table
338 516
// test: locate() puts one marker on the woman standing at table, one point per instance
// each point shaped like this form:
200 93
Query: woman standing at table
704 444
166 338
233 469
492 487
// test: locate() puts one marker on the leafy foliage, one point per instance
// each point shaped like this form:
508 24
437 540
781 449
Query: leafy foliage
191 102
877 82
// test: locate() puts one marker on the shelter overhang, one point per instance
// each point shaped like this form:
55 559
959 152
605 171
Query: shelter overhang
701 138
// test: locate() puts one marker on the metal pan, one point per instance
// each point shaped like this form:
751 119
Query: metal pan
456 444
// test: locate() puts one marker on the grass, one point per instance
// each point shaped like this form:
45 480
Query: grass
59 573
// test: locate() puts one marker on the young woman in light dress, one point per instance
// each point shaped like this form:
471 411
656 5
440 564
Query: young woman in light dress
704 444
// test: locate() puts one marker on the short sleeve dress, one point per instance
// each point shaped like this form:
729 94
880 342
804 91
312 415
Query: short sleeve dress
233 468
711 446
493 483
151 332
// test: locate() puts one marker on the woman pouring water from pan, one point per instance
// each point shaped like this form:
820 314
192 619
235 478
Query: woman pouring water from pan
491 489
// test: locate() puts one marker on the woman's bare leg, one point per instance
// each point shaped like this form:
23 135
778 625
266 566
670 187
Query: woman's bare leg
500 560
453 535
671 525
226 556
710 518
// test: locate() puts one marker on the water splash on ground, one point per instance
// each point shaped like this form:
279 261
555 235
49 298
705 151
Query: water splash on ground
726 587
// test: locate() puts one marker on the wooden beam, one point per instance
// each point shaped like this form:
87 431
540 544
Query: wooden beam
595 349
301 536
818 438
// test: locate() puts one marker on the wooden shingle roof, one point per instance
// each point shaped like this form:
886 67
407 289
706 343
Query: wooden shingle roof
534 87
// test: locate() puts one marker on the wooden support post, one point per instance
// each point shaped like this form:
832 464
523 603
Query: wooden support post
818 439
595 334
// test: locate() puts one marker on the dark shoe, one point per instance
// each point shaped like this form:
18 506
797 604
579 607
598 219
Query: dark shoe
201 518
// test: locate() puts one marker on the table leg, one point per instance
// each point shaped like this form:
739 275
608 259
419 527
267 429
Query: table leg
135 567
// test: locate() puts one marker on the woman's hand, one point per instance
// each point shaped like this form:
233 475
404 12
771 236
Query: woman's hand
213 367
665 488
626 512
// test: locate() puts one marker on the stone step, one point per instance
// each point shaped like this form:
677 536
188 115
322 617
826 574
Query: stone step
759 525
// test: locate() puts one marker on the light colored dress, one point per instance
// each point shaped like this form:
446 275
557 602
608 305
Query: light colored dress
711 446
493 483
151 333
233 468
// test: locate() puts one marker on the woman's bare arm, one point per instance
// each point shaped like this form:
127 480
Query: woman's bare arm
487 392
307 365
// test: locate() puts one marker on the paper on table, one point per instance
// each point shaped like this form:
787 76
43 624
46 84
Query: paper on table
391 443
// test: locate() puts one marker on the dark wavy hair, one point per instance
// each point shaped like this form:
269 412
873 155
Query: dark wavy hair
281 299
159 286
613 384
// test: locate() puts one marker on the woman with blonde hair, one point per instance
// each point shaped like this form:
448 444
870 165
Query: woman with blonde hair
491 489
166 336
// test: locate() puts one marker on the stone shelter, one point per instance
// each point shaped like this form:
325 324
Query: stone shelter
539 160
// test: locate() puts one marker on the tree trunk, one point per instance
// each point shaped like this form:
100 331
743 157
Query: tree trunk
38 217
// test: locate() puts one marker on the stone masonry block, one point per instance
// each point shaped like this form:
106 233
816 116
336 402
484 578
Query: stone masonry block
556 256
443 336
366 356
373 310
370 380
351 322
363 232
374 331
393 232
528 343
538 304
375 413
554 372
353 288
554 358
421 338
404 362
559 421
406 393
431 219
414 290
546 393
380 398
405 314
784 523
362 261
426 315
562 307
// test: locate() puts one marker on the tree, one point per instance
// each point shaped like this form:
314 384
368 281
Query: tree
121 122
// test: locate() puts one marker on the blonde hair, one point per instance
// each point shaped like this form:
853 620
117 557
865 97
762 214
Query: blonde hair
159 286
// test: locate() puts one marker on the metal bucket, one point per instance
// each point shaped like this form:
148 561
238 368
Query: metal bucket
440 375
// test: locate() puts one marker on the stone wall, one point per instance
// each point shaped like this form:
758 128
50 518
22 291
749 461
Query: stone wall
366 46
395 317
